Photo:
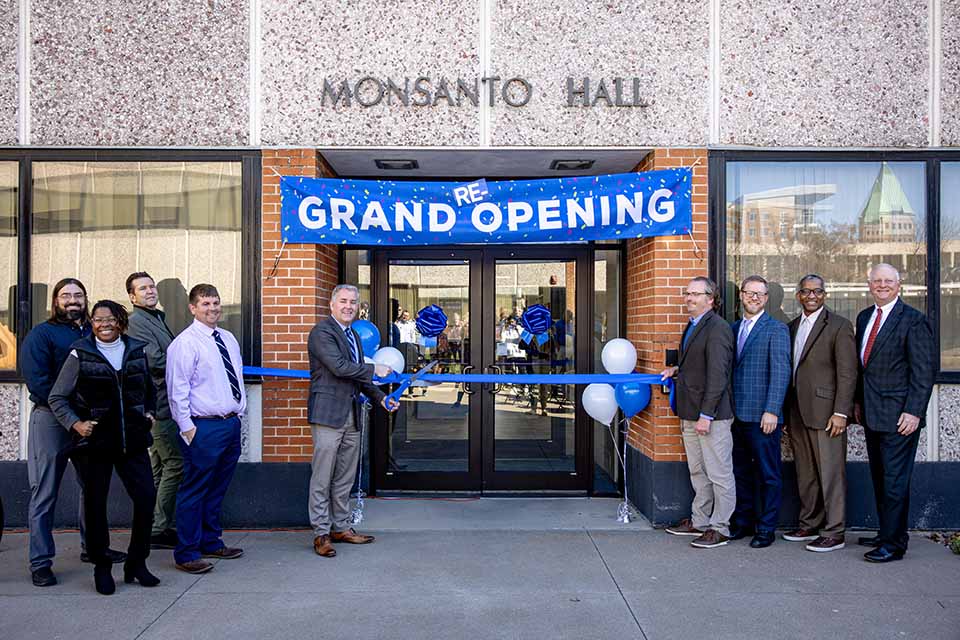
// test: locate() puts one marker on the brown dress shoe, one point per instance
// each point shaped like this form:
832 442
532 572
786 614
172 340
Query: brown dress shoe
351 537
824 544
801 535
711 538
195 566
684 528
224 553
322 546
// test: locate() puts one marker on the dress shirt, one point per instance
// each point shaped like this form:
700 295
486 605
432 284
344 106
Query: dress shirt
887 308
803 332
344 328
747 325
197 383
686 336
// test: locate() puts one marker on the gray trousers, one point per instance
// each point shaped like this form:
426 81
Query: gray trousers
710 461
821 479
48 444
167 462
336 451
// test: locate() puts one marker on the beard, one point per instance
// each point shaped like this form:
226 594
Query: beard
70 314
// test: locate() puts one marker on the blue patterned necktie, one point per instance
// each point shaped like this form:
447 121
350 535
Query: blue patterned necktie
744 332
353 344
228 365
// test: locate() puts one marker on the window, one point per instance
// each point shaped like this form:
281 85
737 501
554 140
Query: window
100 221
950 266
9 205
838 219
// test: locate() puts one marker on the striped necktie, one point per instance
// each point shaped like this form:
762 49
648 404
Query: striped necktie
228 365
353 344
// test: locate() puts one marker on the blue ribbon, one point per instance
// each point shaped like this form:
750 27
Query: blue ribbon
431 321
536 322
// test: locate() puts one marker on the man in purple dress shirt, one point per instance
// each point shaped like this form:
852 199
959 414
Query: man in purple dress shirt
205 390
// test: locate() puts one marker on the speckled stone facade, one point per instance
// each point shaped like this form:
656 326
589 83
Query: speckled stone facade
9 422
841 73
113 73
950 422
305 42
665 43
950 73
9 76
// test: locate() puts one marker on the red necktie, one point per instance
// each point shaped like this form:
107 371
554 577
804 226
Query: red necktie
873 336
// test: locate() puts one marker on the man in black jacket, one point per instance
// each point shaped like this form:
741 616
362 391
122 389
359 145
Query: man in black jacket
337 377
898 360
705 406
44 351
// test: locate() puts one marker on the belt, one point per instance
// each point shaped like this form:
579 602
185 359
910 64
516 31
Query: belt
226 417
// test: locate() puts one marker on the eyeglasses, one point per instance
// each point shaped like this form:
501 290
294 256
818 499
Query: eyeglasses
804 293
695 293
107 320
753 295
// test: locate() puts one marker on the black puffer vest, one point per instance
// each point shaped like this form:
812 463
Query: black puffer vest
115 399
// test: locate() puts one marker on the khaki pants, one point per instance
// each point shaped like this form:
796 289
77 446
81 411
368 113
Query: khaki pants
710 460
336 451
821 479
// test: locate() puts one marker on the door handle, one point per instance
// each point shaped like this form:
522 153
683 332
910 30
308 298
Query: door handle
467 386
497 370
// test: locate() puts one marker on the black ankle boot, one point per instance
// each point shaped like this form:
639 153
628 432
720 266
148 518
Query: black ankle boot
138 572
103 579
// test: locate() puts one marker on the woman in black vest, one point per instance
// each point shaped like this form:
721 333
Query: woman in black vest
104 394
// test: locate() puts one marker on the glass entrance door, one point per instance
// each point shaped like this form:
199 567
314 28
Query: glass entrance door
473 437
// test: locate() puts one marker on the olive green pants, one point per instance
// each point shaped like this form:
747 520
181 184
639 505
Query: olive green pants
167 462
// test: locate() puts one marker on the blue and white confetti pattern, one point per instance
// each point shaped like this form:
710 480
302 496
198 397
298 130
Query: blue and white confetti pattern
578 209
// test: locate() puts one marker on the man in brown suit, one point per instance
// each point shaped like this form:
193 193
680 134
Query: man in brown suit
819 401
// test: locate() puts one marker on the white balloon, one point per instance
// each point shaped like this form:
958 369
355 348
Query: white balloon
368 360
390 357
619 356
600 402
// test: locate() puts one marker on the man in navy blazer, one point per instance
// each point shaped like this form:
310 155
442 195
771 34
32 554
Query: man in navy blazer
761 375
898 361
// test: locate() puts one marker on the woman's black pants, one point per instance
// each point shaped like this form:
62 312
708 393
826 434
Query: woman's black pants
95 469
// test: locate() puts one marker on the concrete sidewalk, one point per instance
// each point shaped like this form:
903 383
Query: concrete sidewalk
495 568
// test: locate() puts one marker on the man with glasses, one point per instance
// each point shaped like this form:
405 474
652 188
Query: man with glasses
761 375
45 349
705 406
898 360
819 402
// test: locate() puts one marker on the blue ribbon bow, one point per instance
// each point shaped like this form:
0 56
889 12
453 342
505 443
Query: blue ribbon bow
431 321
536 322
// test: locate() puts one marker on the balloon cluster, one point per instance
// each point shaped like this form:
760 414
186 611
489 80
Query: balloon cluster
431 321
370 343
601 400
535 321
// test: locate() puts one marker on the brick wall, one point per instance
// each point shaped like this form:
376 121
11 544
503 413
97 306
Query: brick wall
658 269
294 297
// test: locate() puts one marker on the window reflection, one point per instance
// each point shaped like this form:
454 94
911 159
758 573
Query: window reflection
950 266
179 221
9 179
785 220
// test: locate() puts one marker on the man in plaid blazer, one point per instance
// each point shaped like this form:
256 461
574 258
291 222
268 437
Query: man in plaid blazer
761 375
898 361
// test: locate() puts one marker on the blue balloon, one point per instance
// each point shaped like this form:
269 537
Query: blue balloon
369 336
632 397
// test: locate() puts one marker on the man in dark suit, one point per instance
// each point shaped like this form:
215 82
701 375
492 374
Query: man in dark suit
761 375
898 360
819 403
704 404
337 377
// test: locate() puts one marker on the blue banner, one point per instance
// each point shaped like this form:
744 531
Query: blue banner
386 212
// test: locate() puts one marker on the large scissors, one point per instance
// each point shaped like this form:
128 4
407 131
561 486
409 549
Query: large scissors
406 383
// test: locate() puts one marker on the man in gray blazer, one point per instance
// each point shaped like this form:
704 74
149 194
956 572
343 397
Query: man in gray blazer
338 376
705 406
148 323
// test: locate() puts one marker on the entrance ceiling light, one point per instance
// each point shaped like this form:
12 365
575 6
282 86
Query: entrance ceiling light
397 165
571 165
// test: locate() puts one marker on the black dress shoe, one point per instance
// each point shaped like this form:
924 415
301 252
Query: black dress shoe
139 572
883 553
114 556
167 539
103 580
43 577
869 542
762 539
739 533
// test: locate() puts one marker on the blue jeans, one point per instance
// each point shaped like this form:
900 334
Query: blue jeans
209 463
756 467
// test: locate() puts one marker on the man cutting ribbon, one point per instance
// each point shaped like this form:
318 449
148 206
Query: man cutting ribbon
338 375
